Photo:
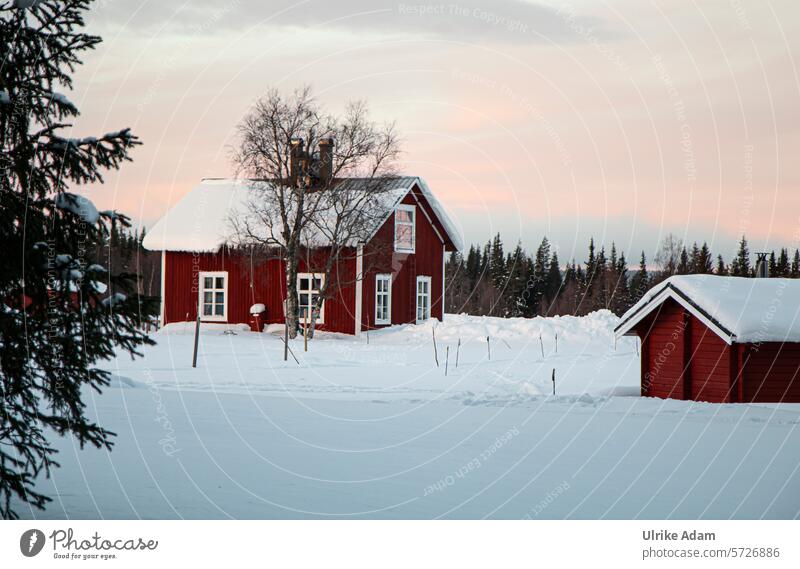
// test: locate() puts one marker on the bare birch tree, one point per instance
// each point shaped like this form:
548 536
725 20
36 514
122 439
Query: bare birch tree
297 201
350 209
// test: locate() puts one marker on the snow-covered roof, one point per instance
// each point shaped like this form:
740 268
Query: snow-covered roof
737 309
201 221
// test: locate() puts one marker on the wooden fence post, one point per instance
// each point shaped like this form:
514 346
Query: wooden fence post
435 351
196 339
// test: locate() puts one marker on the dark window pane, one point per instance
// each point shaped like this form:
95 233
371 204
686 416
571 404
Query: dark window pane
207 310
219 297
219 309
220 282
207 282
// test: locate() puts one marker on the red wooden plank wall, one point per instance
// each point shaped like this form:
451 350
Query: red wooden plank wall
268 287
379 257
709 364
663 333
772 372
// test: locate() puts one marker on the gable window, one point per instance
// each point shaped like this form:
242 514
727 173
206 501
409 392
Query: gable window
308 287
423 298
213 295
404 228
383 299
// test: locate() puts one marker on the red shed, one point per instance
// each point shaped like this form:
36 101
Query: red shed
395 277
719 339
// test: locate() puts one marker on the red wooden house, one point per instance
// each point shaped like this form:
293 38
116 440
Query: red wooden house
396 276
719 339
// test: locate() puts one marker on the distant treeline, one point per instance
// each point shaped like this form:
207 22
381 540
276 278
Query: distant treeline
490 281
122 253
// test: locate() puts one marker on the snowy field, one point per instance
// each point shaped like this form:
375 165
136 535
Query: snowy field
372 428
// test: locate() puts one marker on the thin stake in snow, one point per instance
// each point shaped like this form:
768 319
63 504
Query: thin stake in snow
305 333
196 337
556 342
554 381
435 351
489 348
615 342
286 341
446 359
287 348
541 344
458 349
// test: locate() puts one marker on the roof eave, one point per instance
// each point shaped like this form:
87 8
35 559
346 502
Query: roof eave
670 291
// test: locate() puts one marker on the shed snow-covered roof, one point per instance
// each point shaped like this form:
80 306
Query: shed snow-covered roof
201 221
737 309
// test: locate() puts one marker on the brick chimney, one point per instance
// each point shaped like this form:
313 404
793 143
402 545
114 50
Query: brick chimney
296 157
325 168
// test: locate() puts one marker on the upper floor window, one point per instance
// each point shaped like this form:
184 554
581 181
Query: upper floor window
404 228
213 295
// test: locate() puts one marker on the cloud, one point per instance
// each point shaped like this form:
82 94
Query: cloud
502 21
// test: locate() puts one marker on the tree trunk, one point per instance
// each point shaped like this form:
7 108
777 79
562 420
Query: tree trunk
333 257
292 305
312 325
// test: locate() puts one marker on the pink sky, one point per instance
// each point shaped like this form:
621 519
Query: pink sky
619 120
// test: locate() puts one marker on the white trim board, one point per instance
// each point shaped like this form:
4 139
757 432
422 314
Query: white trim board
658 300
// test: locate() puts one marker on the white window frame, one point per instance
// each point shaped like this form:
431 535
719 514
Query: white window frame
413 210
311 291
201 288
418 295
387 278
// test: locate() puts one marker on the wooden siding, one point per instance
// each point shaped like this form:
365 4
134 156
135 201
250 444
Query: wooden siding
684 359
259 281
427 260
710 365
771 372
663 334
180 281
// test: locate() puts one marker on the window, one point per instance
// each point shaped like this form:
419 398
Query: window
404 218
423 298
383 299
213 296
308 287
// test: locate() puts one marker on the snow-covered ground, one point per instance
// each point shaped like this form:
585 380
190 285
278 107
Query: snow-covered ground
371 427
